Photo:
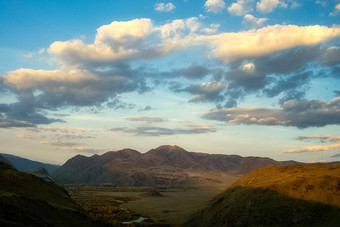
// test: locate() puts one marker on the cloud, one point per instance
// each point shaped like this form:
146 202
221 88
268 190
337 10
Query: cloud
146 108
313 148
296 113
148 119
241 7
214 6
206 92
128 40
161 131
336 10
251 21
335 155
27 78
162 7
266 6
12 123
91 150
193 72
229 47
322 138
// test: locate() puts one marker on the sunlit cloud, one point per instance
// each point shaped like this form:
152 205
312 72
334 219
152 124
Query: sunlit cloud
321 138
313 148
214 6
164 7
266 6
297 113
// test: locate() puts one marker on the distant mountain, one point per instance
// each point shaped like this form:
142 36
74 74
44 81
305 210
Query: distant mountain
165 165
27 165
4 160
296 195
26 200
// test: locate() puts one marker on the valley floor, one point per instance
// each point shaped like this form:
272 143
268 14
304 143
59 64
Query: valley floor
158 205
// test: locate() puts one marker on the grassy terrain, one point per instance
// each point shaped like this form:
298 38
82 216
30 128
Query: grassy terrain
161 206
301 195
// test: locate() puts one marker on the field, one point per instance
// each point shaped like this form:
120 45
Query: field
158 205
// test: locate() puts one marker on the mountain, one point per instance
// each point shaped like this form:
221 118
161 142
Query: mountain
165 165
295 195
4 160
26 200
26 165
43 174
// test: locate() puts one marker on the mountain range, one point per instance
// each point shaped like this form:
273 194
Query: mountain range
27 165
165 165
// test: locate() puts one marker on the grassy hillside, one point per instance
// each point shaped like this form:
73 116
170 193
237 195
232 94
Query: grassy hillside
26 200
300 195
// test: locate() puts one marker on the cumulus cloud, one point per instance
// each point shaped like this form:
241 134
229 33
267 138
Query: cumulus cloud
336 10
127 40
241 7
296 113
321 138
266 6
229 47
161 131
251 21
149 119
314 148
214 6
206 92
164 7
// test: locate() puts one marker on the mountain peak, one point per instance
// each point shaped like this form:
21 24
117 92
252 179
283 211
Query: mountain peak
169 148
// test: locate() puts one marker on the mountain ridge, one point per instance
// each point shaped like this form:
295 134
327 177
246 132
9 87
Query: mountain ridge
28 165
164 165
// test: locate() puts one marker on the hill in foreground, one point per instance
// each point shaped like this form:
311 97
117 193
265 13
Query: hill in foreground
27 200
163 166
297 195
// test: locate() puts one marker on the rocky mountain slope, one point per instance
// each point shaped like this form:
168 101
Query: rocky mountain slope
27 165
26 200
296 195
165 165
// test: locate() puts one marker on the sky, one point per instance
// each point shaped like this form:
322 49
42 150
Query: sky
246 77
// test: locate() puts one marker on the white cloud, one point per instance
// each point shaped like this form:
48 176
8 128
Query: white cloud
266 6
229 47
27 78
241 7
314 148
162 7
248 67
214 6
336 10
251 21
213 29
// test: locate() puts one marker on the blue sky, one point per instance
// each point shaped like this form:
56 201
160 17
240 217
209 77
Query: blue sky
247 77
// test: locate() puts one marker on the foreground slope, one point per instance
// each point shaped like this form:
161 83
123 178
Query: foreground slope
165 165
26 200
296 195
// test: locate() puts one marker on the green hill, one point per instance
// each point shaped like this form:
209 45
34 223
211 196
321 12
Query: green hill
299 195
27 200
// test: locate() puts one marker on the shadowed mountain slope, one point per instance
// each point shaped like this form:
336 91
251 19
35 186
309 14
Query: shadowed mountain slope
296 195
26 165
26 200
4 160
165 165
